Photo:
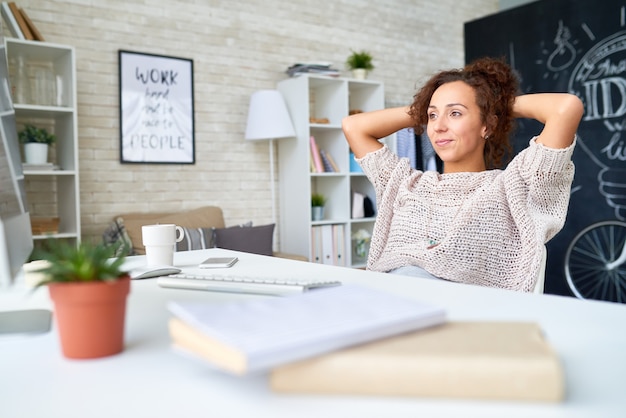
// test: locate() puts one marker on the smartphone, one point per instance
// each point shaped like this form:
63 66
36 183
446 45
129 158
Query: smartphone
218 262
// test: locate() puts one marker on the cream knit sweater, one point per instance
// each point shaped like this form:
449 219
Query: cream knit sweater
486 228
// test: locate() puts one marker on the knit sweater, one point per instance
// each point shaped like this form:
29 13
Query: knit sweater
486 228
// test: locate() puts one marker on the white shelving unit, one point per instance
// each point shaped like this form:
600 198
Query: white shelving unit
52 193
311 97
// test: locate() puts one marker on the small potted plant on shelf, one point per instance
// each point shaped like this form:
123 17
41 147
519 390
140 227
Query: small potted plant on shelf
317 206
36 142
89 291
360 244
360 63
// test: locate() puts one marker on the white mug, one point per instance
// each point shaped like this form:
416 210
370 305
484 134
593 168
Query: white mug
159 241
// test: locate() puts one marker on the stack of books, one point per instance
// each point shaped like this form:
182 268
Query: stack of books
321 161
354 340
312 68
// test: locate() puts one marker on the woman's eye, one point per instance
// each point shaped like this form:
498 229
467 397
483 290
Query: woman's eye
432 116
455 113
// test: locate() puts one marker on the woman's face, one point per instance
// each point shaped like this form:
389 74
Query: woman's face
455 127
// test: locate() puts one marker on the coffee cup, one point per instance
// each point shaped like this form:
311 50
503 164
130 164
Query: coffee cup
159 241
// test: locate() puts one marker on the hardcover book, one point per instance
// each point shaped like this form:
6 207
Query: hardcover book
480 360
329 166
317 158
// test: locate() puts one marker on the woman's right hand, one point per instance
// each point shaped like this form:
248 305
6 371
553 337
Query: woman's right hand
364 130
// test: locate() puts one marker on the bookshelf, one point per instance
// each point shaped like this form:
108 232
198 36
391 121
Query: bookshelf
317 104
53 194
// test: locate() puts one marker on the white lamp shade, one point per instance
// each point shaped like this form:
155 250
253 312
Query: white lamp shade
268 117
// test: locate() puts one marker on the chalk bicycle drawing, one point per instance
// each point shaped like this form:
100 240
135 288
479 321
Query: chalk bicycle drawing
595 262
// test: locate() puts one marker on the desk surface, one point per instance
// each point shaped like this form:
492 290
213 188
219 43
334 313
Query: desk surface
149 380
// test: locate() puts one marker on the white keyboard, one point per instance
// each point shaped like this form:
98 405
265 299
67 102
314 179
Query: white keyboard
242 284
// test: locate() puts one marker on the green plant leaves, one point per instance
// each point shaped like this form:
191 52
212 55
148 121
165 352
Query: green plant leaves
31 133
361 59
84 262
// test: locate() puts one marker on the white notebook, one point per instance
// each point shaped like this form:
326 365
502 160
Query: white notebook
258 334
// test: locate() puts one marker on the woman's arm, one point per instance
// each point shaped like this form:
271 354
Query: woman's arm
559 112
363 130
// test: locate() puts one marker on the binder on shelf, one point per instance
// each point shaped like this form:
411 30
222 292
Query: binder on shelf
317 159
328 249
480 360
316 244
339 245
259 334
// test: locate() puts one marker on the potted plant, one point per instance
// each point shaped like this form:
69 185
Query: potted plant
89 291
317 206
36 142
360 63
360 244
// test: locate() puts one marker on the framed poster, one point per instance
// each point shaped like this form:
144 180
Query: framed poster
156 109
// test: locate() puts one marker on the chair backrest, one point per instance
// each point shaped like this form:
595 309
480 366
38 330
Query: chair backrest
541 276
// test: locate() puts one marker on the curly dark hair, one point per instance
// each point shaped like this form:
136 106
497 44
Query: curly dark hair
496 87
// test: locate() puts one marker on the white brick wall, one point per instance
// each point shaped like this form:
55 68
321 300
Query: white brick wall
237 47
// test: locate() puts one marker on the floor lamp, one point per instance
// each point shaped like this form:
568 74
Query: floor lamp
268 119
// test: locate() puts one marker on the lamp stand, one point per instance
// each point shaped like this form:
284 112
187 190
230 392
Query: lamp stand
272 180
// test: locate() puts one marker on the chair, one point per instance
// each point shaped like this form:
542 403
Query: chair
541 276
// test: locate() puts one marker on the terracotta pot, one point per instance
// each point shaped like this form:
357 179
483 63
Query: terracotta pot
90 317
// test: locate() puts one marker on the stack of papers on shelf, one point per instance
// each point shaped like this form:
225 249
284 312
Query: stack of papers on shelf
259 334
312 68
39 167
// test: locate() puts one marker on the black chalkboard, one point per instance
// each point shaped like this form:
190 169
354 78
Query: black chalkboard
578 47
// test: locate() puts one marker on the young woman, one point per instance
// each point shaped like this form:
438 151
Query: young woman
475 223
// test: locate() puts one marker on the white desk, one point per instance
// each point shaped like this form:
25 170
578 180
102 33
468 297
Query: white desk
150 380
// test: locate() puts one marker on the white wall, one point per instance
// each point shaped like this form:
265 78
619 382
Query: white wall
237 47
509 4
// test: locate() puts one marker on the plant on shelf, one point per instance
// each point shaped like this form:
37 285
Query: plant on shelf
89 290
361 240
36 142
360 63
32 134
318 201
